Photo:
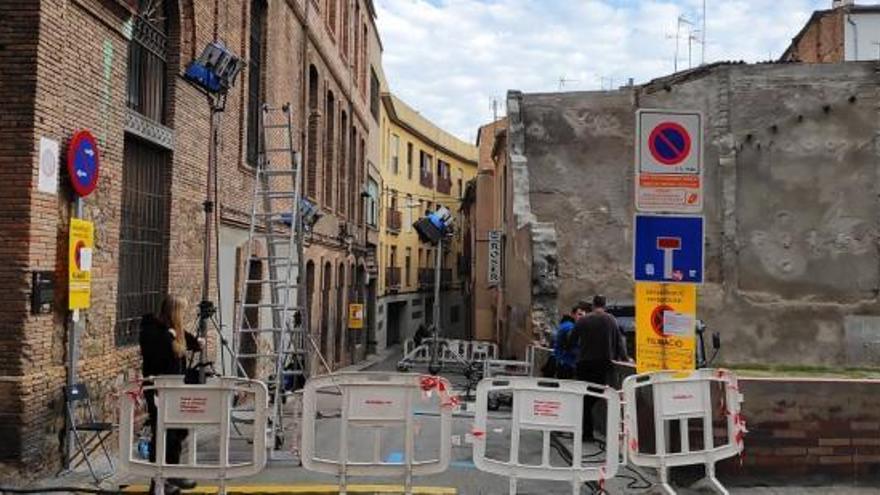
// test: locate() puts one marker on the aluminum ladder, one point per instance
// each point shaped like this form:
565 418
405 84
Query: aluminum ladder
276 341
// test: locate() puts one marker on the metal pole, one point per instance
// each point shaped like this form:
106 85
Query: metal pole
434 366
703 50
206 308
72 349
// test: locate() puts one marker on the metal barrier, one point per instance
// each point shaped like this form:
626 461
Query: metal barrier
378 400
537 356
681 399
547 405
452 351
188 407
498 367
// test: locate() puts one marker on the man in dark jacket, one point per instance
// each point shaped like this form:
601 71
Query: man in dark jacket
598 338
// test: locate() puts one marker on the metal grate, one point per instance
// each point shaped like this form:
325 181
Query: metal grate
147 55
143 257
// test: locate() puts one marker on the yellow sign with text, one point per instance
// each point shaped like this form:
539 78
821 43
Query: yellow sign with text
356 316
666 317
82 243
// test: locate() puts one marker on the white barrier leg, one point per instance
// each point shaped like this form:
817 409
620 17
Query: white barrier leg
712 481
664 480
513 485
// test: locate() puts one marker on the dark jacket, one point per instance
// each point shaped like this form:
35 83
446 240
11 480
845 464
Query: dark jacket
598 337
157 351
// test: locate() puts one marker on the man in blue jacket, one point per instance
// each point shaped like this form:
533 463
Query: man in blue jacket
565 349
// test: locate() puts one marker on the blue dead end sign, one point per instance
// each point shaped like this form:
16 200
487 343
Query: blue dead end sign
668 249
83 163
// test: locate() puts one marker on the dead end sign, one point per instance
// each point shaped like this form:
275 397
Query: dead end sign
669 161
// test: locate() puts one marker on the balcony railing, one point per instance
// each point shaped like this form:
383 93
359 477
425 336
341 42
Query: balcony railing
444 185
426 179
392 278
426 277
394 219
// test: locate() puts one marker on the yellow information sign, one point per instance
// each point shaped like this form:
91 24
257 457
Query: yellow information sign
82 242
665 326
356 316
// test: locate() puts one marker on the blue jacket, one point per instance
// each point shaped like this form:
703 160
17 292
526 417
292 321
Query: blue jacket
566 358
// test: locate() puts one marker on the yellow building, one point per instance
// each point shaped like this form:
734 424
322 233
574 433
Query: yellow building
422 167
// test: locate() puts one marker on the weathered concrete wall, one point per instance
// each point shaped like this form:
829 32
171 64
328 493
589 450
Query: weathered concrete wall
791 200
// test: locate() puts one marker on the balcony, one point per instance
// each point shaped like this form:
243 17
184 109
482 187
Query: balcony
426 278
444 185
392 278
426 179
394 219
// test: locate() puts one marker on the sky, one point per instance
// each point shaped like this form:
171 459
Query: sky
449 59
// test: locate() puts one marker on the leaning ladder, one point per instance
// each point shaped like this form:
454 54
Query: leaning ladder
277 348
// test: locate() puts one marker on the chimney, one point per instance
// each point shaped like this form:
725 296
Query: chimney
836 4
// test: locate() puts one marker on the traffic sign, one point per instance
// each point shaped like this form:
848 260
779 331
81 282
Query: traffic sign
669 161
665 326
668 249
83 163
79 269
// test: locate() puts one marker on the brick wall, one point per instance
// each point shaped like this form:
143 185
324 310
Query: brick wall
64 68
822 40
19 24
801 428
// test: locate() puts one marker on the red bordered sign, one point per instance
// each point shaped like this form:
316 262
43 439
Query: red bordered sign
83 163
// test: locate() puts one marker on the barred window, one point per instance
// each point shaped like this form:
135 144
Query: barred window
147 56
255 66
143 238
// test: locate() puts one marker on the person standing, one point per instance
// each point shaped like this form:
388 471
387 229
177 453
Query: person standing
565 349
598 345
163 344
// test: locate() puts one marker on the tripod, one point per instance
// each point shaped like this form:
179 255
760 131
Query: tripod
207 310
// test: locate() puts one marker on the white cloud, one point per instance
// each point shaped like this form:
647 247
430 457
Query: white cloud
450 58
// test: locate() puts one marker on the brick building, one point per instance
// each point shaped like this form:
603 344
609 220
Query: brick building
844 33
114 67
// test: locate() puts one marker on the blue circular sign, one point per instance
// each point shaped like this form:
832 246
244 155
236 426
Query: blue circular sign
83 163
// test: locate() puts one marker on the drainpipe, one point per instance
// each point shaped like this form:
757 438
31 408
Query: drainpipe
855 30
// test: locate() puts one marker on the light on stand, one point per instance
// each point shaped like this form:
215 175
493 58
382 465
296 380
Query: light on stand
433 229
215 70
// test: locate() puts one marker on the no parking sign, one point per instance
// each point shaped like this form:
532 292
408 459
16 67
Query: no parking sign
669 161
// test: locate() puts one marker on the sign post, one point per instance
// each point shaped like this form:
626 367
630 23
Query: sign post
667 246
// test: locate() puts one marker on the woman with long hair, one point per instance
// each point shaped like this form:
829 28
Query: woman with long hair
164 344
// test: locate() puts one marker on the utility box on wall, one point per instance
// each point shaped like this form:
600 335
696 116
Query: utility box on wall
42 292
862 334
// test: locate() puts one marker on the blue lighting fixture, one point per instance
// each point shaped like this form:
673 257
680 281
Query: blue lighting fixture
435 226
216 68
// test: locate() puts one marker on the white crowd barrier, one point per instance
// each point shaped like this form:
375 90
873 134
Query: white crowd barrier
452 351
681 399
547 406
190 407
378 401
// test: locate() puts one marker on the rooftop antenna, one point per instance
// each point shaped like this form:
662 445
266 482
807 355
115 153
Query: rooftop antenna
563 81
681 20
703 35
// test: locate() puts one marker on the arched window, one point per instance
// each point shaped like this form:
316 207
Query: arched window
147 58
341 187
255 69
329 149
341 310
314 127
144 209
